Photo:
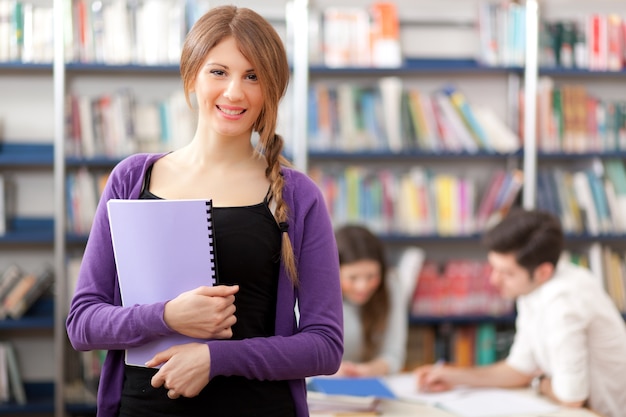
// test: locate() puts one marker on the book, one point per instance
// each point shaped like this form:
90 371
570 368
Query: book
16 384
5 389
26 291
357 387
162 248
501 137
586 202
453 118
9 278
3 214
463 107
487 203
485 349
385 37
346 37
319 402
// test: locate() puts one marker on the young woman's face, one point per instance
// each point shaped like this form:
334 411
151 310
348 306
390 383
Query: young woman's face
228 92
359 280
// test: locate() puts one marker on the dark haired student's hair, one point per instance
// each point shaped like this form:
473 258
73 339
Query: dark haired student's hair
533 236
259 42
357 243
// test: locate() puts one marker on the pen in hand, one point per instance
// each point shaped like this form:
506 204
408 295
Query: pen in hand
425 382
440 362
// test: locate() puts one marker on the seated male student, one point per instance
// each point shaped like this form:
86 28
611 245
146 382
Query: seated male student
570 340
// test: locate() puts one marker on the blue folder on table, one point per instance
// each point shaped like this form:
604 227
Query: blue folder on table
359 387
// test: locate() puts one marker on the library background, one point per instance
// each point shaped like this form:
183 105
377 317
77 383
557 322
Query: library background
426 128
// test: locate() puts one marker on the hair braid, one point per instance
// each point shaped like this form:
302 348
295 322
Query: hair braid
274 158
259 42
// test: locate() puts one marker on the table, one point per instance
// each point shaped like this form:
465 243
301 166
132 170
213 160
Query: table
400 408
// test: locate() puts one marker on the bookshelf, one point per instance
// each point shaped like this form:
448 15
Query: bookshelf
41 164
533 158
427 68
594 148
26 166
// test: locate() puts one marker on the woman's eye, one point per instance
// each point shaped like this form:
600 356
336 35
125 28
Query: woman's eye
217 72
252 77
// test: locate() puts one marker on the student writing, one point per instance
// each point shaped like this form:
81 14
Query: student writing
375 317
570 339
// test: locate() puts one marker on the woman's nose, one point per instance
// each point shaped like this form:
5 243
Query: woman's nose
233 91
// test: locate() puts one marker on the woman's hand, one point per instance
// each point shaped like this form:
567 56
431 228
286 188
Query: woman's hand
185 369
203 313
376 367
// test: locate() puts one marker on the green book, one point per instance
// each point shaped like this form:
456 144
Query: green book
485 344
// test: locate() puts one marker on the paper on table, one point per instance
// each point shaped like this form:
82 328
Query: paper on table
472 402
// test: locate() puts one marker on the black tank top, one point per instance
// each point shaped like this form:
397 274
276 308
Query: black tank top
249 230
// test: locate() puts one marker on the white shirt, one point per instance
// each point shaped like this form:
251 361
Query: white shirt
393 347
569 329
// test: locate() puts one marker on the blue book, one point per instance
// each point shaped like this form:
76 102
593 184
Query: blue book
358 387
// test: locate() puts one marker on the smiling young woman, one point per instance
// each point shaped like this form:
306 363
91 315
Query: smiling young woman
274 242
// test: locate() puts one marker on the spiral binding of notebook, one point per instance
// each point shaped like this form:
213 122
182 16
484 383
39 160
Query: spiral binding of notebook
209 216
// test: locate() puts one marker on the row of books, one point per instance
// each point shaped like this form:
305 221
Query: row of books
609 265
353 36
457 287
571 119
590 200
416 201
117 124
464 345
20 289
390 116
26 31
11 383
117 32
84 369
83 189
502 32
596 42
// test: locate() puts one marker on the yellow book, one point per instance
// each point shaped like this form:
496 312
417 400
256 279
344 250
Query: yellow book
445 190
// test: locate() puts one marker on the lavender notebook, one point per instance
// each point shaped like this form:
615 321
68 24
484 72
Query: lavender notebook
162 248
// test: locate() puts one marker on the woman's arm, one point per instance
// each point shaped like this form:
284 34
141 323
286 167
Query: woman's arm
393 350
96 318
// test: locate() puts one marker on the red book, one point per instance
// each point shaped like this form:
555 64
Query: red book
597 40
488 201
614 42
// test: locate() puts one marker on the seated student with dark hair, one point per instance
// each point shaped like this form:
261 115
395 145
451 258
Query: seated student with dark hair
375 317
570 340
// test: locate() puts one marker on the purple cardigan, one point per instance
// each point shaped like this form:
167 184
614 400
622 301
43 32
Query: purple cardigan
314 346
